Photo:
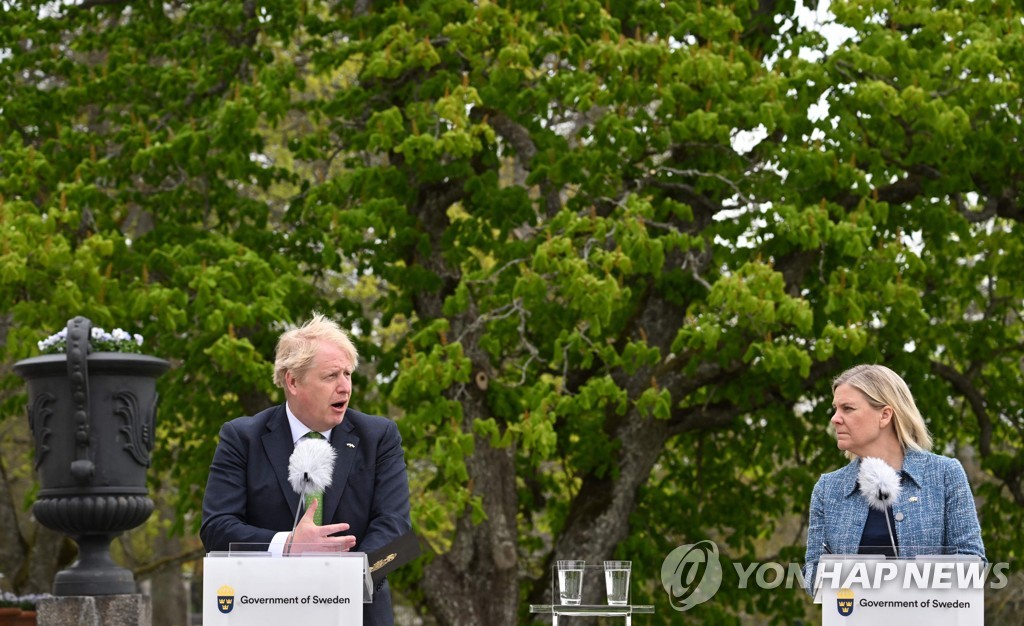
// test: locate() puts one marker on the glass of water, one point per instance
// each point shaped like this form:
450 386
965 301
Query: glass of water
570 581
616 581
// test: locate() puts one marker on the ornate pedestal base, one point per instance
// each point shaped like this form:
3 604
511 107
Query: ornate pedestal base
93 521
94 573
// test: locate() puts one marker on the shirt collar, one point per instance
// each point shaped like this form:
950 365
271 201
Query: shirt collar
299 429
913 465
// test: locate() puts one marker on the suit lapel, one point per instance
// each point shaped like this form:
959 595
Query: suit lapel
346 443
278 445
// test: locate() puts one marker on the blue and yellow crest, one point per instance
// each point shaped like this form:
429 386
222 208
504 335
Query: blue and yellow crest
226 599
844 601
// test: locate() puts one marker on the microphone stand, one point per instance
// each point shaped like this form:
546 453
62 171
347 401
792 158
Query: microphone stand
892 537
302 500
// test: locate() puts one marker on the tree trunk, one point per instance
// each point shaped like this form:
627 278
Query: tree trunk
476 581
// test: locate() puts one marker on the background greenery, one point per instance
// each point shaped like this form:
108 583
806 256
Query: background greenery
602 259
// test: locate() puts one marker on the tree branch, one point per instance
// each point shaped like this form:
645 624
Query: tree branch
966 388
89 4
519 138
167 563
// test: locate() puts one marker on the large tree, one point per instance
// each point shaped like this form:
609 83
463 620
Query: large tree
603 259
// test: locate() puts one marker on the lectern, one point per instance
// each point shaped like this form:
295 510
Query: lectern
859 589
256 588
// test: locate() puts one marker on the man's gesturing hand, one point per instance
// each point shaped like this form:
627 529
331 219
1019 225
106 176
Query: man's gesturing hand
308 537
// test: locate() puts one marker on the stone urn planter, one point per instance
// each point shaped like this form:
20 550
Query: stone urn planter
92 416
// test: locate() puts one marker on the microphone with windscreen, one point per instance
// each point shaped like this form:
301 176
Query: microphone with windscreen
310 470
880 485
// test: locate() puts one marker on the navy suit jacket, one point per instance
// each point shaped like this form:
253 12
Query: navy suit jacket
249 499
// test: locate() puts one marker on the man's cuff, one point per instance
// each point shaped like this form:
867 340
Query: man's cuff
276 547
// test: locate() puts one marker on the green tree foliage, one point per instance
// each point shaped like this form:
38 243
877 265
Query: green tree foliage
131 193
603 258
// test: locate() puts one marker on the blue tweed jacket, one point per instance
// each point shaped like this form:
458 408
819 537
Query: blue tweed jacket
935 510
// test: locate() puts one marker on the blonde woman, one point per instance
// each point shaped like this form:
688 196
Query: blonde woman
875 416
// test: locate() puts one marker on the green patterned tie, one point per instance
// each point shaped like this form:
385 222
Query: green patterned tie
318 517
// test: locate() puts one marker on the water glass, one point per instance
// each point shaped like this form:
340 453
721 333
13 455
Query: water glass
616 581
570 581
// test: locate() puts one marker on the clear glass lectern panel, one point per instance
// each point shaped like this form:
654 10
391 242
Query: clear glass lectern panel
904 553
266 550
283 549
910 551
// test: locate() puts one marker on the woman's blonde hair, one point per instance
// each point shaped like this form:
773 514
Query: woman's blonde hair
297 347
884 387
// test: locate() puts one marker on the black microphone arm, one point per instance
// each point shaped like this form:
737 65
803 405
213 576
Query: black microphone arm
302 500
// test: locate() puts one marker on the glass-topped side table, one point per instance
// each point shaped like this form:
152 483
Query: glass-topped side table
626 611
593 587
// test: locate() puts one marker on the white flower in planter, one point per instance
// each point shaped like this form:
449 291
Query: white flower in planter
117 340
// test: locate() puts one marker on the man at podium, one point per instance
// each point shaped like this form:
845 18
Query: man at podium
929 508
249 499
